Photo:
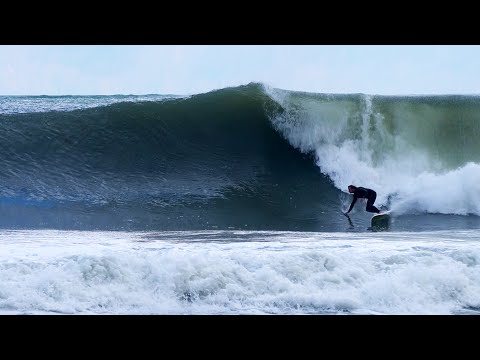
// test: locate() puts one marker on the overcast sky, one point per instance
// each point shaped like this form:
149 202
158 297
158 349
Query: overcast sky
183 70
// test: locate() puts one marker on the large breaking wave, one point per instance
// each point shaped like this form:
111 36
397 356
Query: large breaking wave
242 157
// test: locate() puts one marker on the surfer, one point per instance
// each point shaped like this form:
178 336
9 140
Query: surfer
363 193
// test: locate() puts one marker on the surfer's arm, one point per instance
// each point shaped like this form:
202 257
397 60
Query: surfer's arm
353 203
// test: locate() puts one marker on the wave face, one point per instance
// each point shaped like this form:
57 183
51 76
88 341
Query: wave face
211 160
248 157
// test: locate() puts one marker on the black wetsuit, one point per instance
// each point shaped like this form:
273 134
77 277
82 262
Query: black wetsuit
364 193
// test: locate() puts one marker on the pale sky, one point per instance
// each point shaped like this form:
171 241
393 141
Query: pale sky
190 69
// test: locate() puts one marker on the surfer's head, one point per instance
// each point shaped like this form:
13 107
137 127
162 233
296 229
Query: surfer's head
352 188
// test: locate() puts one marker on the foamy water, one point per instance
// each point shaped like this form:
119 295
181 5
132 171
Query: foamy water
231 272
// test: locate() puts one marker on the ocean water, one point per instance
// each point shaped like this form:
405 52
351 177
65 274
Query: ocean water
230 202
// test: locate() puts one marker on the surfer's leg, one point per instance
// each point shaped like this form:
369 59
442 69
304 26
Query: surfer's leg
370 201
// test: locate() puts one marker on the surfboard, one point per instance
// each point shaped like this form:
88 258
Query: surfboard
381 221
